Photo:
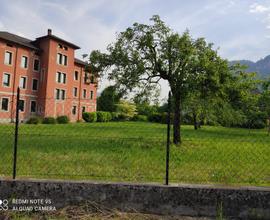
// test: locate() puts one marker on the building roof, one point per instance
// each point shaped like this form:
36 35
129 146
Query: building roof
13 38
80 62
51 36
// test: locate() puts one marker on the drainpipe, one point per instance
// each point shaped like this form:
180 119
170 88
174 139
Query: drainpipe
80 88
13 86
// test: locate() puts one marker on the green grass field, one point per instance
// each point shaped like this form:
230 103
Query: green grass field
135 152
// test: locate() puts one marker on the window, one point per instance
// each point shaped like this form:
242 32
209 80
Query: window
21 105
4 104
83 109
58 77
75 92
57 94
23 82
60 94
63 94
91 94
36 65
61 77
74 110
84 93
76 75
65 48
6 80
33 107
60 46
24 62
65 60
8 58
34 84
61 59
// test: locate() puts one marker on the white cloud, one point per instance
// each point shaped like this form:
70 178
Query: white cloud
1 25
257 8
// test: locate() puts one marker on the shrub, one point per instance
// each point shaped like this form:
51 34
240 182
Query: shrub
123 117
63 119
104 116
126 110
115 116
156 117
160 118
34 120
139 118
49 120
90 116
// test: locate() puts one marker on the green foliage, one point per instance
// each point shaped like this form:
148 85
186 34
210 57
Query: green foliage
115 116
126 110
255 120
103 116
49 120
34 120
144 54
146 109
108 99
158 117
89 116
139 118
63 119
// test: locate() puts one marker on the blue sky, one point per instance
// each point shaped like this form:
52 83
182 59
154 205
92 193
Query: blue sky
239 28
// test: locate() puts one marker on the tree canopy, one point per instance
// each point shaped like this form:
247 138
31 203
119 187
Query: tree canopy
144 54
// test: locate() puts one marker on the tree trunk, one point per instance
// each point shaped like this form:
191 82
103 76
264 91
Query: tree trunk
195 121
177 121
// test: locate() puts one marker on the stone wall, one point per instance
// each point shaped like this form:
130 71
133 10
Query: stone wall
190 200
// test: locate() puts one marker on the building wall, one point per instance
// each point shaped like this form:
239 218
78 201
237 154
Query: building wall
16 72
47 105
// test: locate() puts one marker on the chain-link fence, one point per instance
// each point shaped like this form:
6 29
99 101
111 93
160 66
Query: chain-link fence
128 151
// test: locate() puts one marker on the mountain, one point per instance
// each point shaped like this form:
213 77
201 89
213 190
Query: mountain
262 66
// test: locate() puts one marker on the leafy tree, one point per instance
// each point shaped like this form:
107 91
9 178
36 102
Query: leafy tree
108 99
243 94
144 54
126 109
264 100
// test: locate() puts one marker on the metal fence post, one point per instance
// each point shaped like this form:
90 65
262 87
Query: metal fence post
168 139
16 133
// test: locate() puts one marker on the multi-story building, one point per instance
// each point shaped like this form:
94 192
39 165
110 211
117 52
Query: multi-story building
52 81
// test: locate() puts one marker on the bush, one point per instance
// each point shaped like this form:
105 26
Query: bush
63 119
104 116
49 120
126 110
34 120
156 117
159 118
123 117
90 116
139 118
114 116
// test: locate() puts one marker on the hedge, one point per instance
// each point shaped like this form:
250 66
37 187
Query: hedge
139 118
49 120
34 120
90 116
63 119
104 116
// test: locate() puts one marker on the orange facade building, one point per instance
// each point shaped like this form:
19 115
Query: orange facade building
52 81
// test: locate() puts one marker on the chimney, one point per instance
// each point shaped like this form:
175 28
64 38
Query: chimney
49 31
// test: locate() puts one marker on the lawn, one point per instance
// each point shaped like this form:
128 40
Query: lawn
135 152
